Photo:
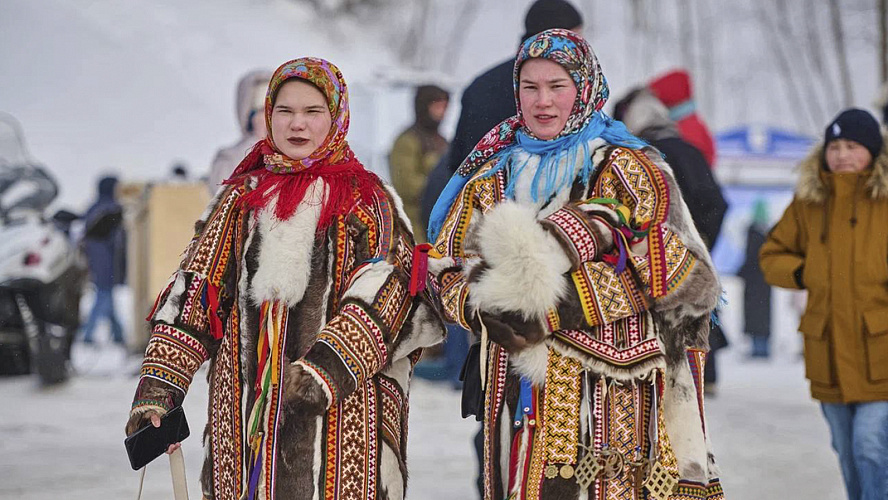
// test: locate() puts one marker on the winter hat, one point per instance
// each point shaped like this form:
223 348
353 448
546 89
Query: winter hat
856 125
548 14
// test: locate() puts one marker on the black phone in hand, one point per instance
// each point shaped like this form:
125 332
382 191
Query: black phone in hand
150 442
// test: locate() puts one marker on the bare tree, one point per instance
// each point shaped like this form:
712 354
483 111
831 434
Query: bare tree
457 35
814 48
413 46
839 43
707 44
883 41
793 90
686 34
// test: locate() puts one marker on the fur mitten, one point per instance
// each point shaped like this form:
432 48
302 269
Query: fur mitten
302 392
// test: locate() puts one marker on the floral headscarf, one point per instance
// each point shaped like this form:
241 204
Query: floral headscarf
585 122
286 179
328 79
575 55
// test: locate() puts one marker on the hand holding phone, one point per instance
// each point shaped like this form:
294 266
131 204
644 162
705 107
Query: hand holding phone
162 434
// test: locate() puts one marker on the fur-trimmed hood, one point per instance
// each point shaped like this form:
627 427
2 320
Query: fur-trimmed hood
811 186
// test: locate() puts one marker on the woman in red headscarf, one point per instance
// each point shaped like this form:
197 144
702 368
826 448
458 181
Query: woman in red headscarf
297 287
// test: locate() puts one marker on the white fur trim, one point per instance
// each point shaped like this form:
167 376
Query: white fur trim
426 331
367 282
399 207
682 417
170 309
286 248
505 437
390 479
316 463
524 183
531 363
436 265
527 265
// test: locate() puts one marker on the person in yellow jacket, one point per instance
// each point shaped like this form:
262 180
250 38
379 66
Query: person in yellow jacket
833 242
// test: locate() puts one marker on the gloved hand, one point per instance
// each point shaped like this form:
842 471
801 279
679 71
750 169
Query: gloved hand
510 329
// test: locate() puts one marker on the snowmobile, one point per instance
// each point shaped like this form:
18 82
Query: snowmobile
41 270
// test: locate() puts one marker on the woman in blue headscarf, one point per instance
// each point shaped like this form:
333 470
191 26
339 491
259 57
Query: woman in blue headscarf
563 242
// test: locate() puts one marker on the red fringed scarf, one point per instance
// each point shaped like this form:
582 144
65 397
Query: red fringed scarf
347 182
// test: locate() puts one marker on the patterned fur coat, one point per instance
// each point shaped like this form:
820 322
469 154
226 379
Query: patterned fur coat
347 333
617 373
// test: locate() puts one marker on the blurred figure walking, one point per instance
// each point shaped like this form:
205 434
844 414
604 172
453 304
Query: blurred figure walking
674 89
250 108
416 152
104 244
832 242
756 291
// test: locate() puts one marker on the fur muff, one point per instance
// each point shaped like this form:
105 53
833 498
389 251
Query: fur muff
525 264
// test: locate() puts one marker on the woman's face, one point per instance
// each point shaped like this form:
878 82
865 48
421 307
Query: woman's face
547 94
300 119
843 156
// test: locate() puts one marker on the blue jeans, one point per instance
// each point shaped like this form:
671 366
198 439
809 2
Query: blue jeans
103 307
860 438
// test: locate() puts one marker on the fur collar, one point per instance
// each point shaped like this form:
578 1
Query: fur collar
812 188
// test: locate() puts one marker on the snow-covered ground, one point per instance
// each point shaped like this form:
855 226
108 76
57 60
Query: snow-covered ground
67 442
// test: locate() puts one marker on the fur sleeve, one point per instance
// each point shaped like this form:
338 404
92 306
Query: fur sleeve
378 321
526 269
187 320
451 254
671 262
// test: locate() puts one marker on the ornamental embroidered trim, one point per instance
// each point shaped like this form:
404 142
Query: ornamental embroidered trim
393 303
690 490
323 378
392 407
358 341
172 356
561 408
209 255
352 454
623 343
453 296
575 230
606 296
225 415
497 367
697 362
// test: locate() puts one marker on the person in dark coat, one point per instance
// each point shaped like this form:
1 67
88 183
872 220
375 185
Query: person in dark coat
647 117
756 292
104 246
490 98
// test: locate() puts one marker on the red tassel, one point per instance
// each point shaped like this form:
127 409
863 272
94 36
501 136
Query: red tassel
216 329
420 268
